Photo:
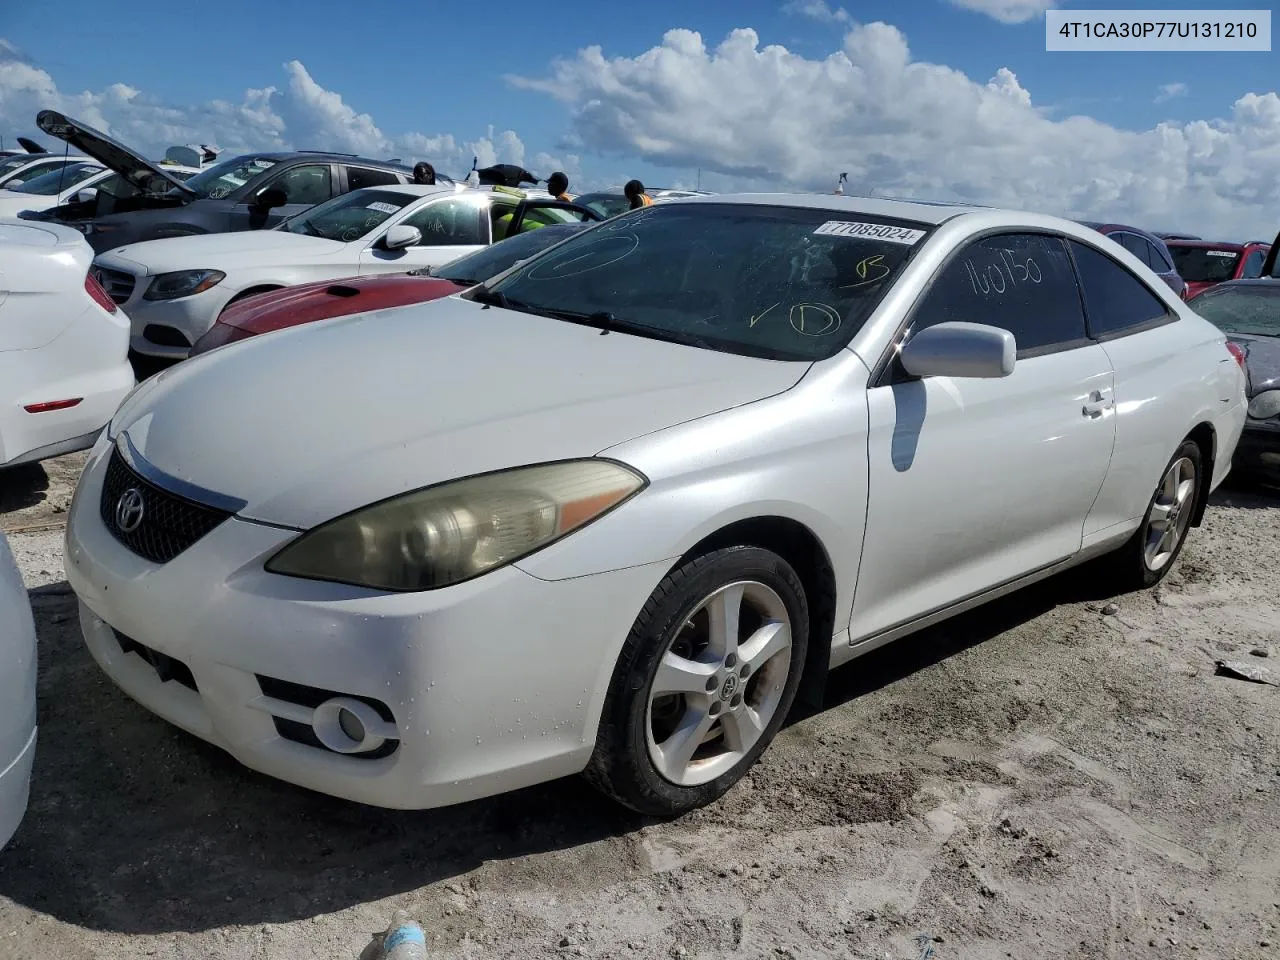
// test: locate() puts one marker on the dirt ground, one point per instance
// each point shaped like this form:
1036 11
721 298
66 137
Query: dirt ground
1050 776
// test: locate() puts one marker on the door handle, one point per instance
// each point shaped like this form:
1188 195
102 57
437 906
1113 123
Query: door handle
1096 406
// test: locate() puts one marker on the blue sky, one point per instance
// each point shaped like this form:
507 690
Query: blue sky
434 69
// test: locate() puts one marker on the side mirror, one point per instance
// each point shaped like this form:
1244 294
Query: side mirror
87 195
960 350
401 236
13 184
271 198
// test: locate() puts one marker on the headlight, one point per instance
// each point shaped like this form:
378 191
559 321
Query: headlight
458 530
1265 405
182 283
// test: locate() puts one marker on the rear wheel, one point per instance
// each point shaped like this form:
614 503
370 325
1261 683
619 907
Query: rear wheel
704 682
1148 556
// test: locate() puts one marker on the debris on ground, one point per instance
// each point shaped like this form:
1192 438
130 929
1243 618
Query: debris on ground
1247 671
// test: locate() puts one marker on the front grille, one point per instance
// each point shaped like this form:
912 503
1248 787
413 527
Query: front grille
169 524
117 283
165 666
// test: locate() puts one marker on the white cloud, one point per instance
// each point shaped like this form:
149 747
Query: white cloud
1008 11
766 118
1170 90
817 10
300 114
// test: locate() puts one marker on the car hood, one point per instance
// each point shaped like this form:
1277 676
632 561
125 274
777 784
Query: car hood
223 251
140 172
310 423
327 299
1262 361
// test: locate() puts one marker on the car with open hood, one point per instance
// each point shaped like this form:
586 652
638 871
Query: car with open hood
174 289
610 511
248 192
76 183
328 299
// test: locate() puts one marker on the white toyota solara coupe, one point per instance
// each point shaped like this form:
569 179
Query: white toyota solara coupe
609 511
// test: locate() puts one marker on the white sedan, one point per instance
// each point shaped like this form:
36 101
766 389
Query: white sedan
17 694
609 511
174 289
64 364
52 188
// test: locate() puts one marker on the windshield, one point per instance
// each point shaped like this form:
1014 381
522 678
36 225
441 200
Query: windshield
767 281
223 179
502 256
350 216
605 204
55 181
1202 265
1253 309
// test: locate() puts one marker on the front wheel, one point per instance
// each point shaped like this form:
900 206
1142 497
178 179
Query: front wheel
1149 555
705 680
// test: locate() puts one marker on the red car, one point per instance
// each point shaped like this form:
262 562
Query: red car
1148 248
326 299
1203 263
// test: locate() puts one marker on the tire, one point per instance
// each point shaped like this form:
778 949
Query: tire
1138 564
733 700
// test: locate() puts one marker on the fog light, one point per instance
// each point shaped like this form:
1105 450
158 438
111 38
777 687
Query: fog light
347 725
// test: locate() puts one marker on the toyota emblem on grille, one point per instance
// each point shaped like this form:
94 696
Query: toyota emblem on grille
129 510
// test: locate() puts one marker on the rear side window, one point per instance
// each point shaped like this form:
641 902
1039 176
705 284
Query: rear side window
1117 302
360 177
1155 256
1253 265
1022 283
1135 245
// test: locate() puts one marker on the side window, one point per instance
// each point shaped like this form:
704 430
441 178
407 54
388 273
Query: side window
1253 265
501 213
1117 302
307 184
1022 283
1159 262
453 221
542 216
360 177
1135 245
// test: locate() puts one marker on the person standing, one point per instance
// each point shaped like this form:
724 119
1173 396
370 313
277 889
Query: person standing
634 192
558 186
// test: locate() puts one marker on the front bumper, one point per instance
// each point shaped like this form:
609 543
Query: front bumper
490 685
161 328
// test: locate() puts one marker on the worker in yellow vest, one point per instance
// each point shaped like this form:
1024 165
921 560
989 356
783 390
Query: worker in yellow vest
634 192
558 187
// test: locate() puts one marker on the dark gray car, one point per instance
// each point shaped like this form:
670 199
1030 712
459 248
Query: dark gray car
1248 312
248 192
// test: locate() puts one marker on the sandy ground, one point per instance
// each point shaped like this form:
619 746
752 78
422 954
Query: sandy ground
1038 779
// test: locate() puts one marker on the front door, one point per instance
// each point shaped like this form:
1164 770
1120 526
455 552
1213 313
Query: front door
303 185
451 227
975 483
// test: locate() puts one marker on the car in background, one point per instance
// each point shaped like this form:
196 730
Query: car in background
17 694
1248 312
1148 248
325 300
1166 237
610 203
174 289
249 192
64 345
1270 268
18 169
582 517
59 187
1202 263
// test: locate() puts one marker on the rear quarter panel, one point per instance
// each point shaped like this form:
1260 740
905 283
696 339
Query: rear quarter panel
1167 381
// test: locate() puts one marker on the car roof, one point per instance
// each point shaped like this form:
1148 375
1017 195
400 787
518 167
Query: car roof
282 156
919 211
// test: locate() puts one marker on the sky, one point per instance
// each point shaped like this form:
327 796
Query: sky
929 99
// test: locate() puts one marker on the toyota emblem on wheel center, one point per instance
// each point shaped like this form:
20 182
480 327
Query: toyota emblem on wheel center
129 510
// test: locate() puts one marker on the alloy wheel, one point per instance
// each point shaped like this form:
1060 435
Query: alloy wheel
1170 513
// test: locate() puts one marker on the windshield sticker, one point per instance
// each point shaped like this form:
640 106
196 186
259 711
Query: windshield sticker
870 231
1219 253
383 207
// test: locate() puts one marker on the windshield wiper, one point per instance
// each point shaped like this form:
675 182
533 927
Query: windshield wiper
608 322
